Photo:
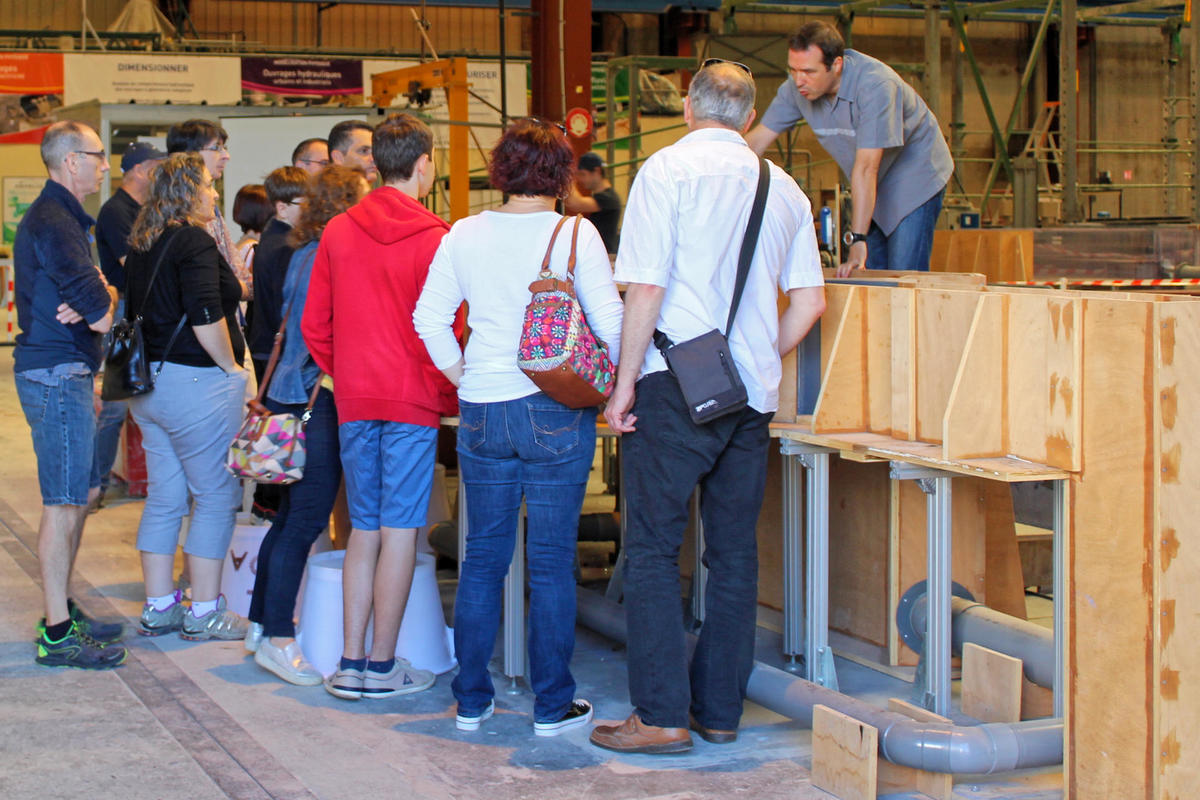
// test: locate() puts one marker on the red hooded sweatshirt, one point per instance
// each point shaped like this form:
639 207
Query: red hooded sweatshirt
368 273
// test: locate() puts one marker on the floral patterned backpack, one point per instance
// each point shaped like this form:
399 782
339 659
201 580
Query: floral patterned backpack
558 350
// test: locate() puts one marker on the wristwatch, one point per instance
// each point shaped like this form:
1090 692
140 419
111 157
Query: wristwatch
851 237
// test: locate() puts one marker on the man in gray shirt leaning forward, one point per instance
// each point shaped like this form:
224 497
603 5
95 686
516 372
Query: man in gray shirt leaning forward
880 132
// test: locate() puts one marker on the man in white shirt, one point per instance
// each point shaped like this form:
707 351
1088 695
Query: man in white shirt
687 213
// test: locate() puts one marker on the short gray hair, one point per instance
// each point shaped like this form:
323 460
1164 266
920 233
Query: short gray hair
61 139
722 93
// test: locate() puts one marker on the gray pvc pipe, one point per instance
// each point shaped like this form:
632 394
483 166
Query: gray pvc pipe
992 747
978 624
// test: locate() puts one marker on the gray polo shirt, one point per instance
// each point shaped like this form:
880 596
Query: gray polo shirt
874 107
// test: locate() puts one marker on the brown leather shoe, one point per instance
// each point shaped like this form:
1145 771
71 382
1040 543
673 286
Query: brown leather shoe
712 735
635 736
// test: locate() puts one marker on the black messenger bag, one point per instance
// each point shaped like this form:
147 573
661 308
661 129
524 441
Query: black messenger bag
704 367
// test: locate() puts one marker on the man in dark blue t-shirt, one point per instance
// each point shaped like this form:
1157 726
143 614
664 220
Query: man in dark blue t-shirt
63 305
113 224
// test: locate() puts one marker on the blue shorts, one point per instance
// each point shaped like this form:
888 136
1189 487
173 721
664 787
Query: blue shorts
389 472
59 405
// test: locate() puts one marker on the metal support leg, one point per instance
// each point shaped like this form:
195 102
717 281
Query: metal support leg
1060 594
699 571
514 610
936 485
793 583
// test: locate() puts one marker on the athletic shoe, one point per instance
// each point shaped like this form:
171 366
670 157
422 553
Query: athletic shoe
103 632
78 650
402 678
471 722
220 623
346 683
254 636
287 662
155 623
580 713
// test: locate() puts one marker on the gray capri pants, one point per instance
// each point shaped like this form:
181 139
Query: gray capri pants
188 423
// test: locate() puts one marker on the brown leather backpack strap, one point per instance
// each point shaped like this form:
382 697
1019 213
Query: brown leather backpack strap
550 248
571 259
312 398
276 348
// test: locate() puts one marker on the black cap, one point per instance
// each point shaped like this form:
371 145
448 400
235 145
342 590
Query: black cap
138 152
590 161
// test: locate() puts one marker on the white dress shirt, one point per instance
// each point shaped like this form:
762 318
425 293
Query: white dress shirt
684 223
489 260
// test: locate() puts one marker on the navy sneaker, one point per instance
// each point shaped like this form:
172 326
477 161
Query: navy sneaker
78 650
103 632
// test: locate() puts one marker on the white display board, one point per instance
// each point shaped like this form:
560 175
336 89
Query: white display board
258 145
151 78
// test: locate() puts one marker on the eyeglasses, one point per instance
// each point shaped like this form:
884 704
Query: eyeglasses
299 201
100 154
322 162
216 148
708 62
547 122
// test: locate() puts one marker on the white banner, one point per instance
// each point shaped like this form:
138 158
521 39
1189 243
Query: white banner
151 78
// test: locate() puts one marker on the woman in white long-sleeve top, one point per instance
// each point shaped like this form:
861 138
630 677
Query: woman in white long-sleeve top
515 442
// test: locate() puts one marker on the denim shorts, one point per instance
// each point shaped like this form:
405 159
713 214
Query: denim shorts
59 406
389 472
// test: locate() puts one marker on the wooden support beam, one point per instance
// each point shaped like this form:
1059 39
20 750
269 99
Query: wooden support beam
933 57
845 755
991 685
1138 6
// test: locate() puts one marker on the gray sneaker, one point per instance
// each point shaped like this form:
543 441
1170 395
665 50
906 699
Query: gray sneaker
403 678
345 683
220 623
156 623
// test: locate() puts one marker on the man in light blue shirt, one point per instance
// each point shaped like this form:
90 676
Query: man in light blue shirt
882 135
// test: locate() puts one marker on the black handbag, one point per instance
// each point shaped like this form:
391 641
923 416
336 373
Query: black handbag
126 365
703 366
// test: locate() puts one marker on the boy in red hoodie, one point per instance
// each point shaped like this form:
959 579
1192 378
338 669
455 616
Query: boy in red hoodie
368 273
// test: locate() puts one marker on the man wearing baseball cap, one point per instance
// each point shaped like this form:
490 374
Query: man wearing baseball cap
113 224
594 197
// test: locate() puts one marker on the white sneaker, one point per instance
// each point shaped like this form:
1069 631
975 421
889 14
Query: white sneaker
471 723
254 637
580 713
287 662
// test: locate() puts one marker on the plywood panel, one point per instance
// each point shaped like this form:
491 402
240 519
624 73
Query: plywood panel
1110 649
770 534
1027 329
1177 736
841 405
976 413
1063 354
991 685
943 321
904 362
878 345
844 755
858 549
1002 565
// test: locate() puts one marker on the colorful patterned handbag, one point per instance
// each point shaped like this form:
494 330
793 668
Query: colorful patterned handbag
558 350
269 448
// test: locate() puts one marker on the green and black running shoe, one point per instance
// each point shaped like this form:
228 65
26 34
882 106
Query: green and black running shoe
105 633
78 649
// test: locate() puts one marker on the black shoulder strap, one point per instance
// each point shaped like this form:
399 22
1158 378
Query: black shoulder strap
153 275
749 244
750 240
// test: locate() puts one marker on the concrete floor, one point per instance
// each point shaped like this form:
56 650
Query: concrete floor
201 720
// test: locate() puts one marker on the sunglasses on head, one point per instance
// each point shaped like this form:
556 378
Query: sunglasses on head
546 122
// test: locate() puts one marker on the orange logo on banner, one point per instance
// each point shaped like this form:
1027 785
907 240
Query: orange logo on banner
31 73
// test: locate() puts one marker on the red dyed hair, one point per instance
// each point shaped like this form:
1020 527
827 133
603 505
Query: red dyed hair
532 158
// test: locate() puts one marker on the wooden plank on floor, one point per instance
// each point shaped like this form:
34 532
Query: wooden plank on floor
991 684
845 755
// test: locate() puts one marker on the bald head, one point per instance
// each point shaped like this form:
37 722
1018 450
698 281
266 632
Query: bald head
722 94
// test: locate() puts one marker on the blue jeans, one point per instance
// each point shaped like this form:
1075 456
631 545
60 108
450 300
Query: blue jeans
304 509
537 448
58 405
910 244
663 462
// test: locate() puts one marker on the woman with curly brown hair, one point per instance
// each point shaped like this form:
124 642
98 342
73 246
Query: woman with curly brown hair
513 440
187 296
305 505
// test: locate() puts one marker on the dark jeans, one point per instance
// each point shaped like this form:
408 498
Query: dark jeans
663 461
537 448
267 496
304 511
910 244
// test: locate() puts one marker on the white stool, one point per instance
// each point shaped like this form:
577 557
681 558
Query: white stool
424 638
241 565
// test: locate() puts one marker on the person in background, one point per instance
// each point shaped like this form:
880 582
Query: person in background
358 325
189 309
594 196
514 441
350 146
305 505
209 140
251 211
113 224
311 155
63 306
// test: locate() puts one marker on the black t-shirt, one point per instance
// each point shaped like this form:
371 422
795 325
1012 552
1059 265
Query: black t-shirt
607 217
271 259
113 224
194 279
